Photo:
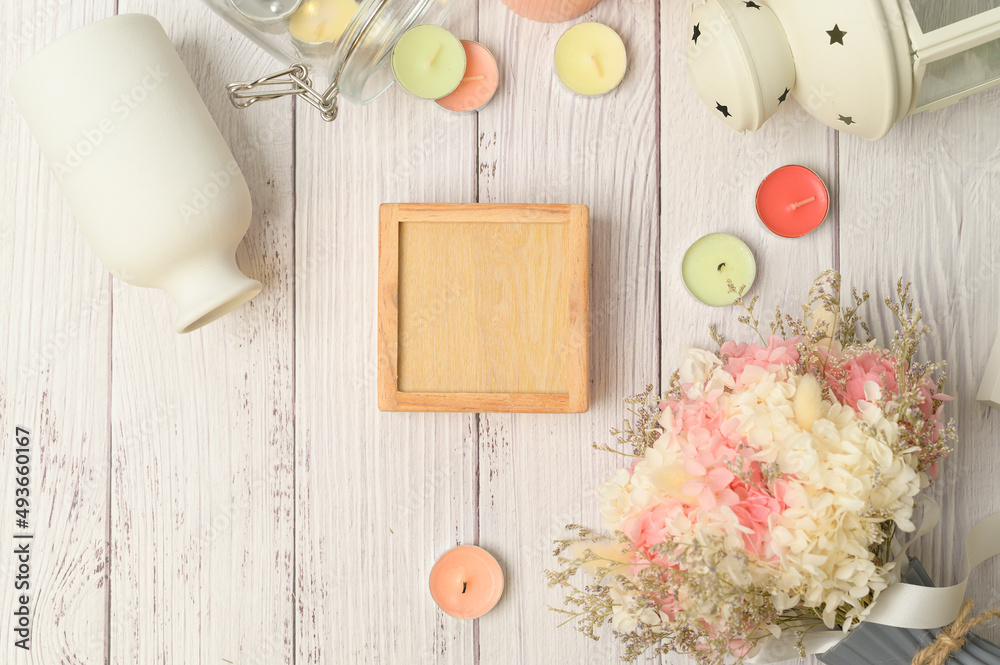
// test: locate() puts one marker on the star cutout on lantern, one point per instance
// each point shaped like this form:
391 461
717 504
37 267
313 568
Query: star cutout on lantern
752 5
697 32
836 35
784 96
846 119
724 110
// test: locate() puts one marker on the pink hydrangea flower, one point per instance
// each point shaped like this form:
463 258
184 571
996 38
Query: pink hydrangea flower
848 377
740 355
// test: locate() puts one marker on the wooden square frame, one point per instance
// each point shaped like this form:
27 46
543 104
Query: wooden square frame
576 346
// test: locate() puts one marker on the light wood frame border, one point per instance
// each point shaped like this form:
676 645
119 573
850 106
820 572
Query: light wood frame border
577 400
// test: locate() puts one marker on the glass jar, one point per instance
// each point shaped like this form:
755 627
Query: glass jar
331 48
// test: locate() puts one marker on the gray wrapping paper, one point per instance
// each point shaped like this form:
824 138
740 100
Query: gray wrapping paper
874 644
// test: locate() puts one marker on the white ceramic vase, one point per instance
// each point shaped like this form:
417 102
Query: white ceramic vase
146 171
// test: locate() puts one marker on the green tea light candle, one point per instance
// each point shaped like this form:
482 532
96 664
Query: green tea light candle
590 59
428 61
714 261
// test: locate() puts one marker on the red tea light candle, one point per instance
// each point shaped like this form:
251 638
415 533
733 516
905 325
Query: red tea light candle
482 76
466 582
792 201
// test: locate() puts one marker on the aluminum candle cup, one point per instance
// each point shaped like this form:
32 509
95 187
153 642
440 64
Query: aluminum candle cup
146 172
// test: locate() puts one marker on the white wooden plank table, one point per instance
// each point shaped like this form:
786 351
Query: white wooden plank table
234 495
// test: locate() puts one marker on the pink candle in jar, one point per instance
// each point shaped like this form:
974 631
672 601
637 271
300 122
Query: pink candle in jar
551 11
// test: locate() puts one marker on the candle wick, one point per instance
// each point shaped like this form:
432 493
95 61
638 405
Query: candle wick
465 585
721 266
472 78
600 72
434 55
799 204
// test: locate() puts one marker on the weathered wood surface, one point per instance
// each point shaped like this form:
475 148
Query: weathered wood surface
235 494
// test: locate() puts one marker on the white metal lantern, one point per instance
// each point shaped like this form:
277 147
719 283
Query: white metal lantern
857 65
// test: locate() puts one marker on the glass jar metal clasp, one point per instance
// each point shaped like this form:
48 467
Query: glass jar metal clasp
291 81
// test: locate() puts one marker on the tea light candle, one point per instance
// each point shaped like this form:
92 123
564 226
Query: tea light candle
551 11
482 76
318 21
712 262
792 201
590 59
428 61
466 582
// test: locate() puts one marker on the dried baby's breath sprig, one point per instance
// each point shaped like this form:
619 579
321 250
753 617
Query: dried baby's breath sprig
673 391
778 325
748 319
851 320
646 600
639 431
716 337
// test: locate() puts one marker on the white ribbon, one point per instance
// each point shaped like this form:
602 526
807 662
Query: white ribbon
901 605
919 607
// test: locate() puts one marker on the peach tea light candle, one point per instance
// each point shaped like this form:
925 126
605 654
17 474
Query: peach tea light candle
714 261
466 582
482 76
428 61
590 59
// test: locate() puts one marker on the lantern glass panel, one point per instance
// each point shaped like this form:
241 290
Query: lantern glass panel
960 72
934 14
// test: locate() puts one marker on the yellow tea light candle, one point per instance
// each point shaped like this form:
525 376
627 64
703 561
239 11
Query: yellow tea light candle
590 59
318 21
714 261
428 61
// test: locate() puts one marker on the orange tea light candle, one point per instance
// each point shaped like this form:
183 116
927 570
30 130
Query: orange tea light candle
482 76
590 59
466 582
792 201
